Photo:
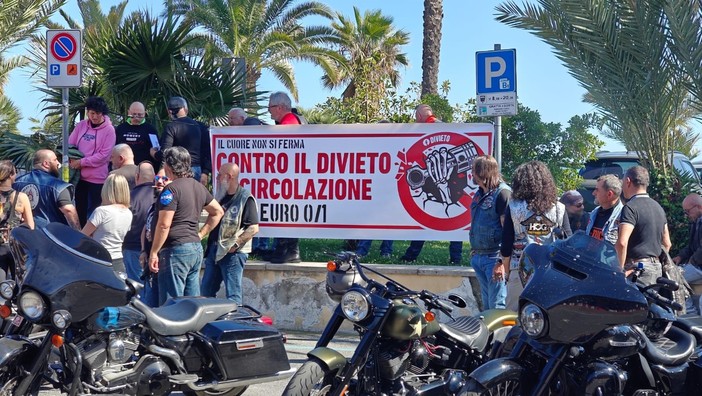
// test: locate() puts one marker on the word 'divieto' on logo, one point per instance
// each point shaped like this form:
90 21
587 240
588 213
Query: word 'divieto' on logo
434 180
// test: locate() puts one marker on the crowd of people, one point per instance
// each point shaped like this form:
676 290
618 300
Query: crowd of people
143 198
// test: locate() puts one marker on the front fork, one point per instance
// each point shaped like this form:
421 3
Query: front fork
555 355
31 379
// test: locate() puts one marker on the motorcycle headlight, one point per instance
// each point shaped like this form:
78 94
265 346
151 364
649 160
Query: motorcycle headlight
355 306
61 319
533 320
32 305
7 289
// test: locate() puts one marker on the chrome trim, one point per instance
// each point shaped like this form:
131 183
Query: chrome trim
224 385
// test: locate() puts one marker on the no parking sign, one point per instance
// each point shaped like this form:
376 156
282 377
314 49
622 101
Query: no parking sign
63 58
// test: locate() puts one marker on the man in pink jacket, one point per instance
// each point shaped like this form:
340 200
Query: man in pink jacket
94 137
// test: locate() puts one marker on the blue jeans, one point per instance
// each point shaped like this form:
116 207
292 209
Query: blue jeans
197 172
132 264
151 296
492 293
261 243
229 269
88 197
364 245
455 250
179 271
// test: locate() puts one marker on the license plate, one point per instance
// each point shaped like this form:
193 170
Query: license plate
17 321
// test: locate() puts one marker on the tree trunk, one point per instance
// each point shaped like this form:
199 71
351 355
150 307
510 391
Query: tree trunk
431 46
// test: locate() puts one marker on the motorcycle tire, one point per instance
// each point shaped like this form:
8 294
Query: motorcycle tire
229 392
507 387
311 378
8 388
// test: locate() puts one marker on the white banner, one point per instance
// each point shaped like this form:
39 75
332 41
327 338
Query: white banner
363 181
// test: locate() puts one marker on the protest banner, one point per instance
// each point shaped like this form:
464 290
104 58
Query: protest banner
362 181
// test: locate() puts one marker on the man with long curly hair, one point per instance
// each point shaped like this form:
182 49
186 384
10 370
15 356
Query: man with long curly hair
531 217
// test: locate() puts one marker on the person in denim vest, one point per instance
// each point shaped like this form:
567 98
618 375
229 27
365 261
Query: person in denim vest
487 212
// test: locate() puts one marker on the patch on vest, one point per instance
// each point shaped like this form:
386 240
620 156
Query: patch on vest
538 225
32 192
166 198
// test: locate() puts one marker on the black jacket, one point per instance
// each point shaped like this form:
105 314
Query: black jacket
192 135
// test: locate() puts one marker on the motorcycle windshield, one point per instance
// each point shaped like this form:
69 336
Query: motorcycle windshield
72 271
579 285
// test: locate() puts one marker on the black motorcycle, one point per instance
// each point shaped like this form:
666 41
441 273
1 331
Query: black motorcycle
404 349
101 339
587 330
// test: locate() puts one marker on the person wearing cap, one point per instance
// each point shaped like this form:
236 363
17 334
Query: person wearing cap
135 132
185 132
575 206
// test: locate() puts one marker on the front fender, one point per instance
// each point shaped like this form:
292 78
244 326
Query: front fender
497 318
11 348
496 371
331 358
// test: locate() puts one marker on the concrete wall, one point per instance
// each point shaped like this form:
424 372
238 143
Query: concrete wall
294 295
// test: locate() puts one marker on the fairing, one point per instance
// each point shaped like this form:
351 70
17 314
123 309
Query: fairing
71 270
580 287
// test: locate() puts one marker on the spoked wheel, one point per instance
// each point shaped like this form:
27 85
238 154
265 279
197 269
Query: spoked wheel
505 387
229 392
311 379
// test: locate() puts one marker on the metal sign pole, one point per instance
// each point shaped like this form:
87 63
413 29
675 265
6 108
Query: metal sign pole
64 115
498 131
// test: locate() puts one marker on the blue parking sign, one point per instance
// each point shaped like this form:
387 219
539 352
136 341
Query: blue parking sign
496 71
55 69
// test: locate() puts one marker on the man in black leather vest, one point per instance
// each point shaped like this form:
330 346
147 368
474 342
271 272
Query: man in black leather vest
50 197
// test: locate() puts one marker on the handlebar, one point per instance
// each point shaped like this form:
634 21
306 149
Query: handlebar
652 294
347 260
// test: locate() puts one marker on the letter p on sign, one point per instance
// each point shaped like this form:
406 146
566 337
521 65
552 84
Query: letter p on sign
490 73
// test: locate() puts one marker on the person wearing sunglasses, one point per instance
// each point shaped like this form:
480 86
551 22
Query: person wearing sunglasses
575 206
136 132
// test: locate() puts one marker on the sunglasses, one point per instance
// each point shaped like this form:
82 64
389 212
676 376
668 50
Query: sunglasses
160 179
137 115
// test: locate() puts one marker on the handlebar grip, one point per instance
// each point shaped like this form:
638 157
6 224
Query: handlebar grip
664 300
444 306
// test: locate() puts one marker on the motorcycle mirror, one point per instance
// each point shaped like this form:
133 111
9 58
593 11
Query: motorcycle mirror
457 300
668 283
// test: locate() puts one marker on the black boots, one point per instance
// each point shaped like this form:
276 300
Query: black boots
287 251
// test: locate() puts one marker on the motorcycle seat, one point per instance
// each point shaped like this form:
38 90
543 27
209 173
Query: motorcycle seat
181 315
672 349
467 330
690 323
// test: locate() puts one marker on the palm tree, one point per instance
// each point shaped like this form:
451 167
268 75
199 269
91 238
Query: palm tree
371 46
431 45
268 34
620 53
18 20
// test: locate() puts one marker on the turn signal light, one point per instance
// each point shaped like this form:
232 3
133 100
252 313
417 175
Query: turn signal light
5 311
509 322
57 340
331 266
429 316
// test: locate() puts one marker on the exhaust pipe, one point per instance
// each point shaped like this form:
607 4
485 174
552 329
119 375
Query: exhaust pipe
224 385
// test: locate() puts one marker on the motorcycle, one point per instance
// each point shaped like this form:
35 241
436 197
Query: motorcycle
101 339
587 330
403 349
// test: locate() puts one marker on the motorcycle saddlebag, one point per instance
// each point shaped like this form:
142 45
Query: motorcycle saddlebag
246 349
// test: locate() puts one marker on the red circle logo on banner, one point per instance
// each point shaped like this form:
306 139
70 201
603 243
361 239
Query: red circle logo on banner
435 180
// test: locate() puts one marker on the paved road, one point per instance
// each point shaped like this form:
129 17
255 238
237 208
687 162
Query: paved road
297 346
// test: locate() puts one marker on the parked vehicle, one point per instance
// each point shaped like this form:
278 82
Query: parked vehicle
403 349
106 341
617 163
587 330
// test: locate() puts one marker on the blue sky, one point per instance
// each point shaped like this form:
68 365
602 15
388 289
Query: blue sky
543 83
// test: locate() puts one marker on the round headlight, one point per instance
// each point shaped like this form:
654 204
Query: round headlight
532 320
355 306
32 305
61 319
7 289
